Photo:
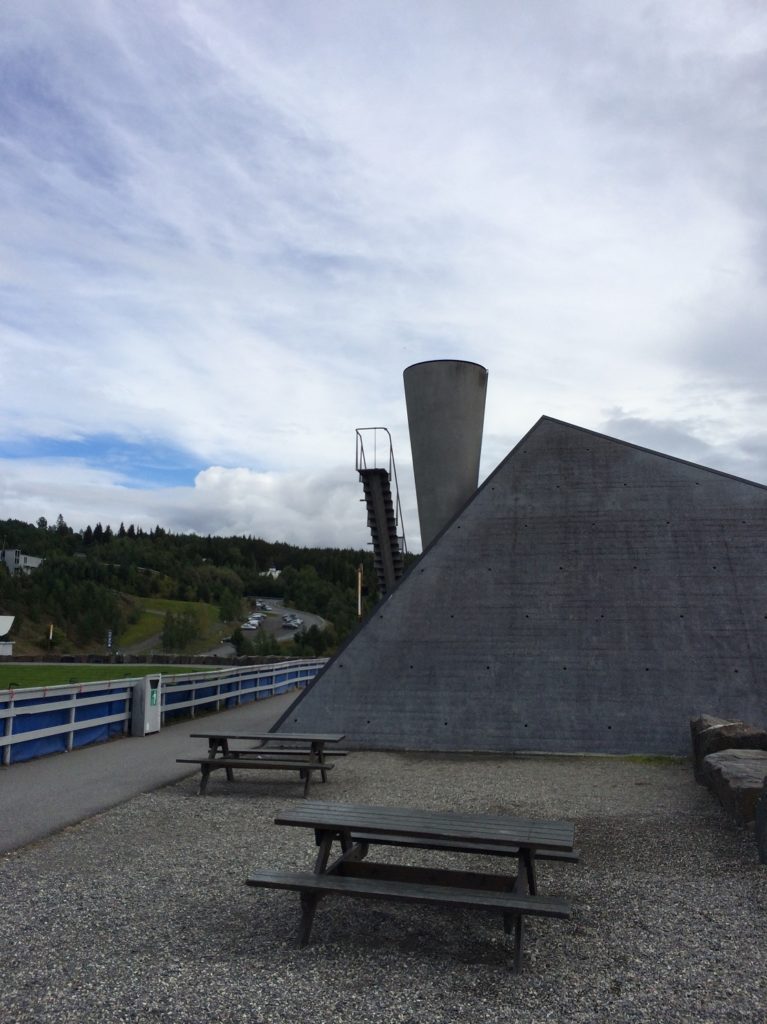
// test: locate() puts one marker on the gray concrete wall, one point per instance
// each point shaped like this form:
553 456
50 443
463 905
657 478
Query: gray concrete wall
446 411
593 596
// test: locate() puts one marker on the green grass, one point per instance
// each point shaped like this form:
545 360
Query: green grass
152 619
14 676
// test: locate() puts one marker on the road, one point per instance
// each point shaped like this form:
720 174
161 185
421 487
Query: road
48 793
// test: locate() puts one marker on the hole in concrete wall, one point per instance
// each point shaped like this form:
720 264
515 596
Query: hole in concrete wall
681 616
367 722
713 567
633 567
525 724
411 666
646 669
609 727
487 668
736 671
444 723
340 664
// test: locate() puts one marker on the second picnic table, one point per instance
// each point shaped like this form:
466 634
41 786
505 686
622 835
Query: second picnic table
300 751
357 827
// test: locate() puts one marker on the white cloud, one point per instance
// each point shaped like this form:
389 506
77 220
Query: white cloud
304 509
228 229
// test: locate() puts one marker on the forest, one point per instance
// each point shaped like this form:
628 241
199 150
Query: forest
96 582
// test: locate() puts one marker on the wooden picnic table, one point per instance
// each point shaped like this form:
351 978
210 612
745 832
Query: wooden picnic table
356 828
302 752
313 742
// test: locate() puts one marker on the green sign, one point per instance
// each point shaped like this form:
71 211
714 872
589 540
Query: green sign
153 698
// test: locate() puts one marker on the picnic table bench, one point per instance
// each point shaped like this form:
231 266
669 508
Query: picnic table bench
301 752
356 828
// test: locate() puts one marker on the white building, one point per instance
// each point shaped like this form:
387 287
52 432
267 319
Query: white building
6 646
16 562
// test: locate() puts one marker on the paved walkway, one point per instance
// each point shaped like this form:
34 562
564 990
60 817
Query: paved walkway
42 796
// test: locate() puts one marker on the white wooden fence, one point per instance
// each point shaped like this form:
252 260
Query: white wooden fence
52 718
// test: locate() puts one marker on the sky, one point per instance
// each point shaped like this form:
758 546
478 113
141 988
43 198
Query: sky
228 226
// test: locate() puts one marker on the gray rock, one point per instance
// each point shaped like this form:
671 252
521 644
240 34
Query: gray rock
710 734
737 778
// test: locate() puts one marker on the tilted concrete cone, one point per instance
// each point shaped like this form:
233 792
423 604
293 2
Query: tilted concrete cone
445 401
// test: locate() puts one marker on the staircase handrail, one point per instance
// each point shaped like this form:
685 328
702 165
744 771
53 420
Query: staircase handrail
361 464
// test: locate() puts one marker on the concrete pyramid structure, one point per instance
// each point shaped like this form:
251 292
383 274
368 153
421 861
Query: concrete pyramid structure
592 596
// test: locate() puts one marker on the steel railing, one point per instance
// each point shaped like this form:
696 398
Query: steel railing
387 462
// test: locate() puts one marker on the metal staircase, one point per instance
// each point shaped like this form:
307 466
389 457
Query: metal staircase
383 506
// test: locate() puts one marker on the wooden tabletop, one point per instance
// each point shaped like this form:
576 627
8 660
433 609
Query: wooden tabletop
305 737
408 821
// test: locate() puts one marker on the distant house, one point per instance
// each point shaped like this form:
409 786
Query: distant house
272 573
15 562
6 646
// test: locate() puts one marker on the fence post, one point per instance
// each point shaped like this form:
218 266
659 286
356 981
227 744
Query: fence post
8 731
72 711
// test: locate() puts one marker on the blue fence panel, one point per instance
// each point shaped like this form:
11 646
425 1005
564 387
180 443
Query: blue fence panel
245 682
207 693
33 721
102 732
283 680
231 688
175 695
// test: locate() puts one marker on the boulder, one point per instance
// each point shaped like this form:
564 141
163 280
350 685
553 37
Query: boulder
710 735
737 777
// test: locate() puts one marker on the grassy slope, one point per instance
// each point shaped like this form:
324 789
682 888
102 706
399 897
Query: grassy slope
138 637
152 618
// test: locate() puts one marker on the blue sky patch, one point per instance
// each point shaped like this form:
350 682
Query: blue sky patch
149 465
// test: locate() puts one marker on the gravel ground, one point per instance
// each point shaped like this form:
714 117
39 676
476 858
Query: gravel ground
141 913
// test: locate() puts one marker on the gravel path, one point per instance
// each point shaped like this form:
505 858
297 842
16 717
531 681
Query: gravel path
141 913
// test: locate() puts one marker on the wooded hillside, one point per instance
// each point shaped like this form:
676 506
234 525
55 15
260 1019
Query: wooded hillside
97 579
